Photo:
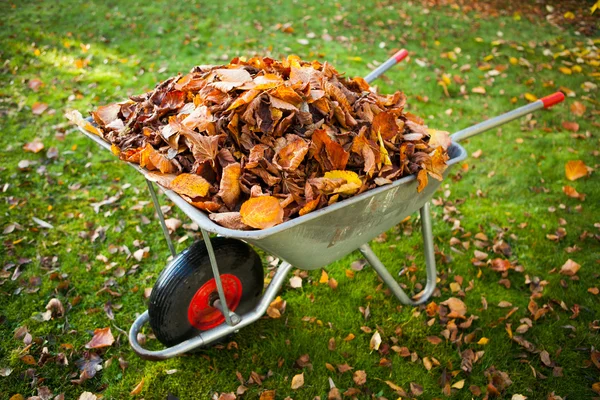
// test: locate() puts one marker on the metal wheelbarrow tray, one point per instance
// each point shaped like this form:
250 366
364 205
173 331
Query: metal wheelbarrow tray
316 239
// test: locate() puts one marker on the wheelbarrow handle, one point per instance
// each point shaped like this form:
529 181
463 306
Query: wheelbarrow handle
393 60
544 102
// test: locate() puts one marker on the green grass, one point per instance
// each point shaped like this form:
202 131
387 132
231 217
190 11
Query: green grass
133 46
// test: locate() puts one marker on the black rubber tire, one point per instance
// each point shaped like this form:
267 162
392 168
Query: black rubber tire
178 282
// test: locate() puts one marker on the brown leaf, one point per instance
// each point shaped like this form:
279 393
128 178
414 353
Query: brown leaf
102 338
569 268
359 377
571 192
434 340
229 189
290 157
416 389
35 84
457 307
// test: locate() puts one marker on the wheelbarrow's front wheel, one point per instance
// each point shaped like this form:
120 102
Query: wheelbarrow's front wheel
181 302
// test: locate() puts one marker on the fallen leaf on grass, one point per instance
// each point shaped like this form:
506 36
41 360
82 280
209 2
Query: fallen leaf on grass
296 282
569 268
570 126
571 192
102 338
39 108
459 385
375 341
577 108
575 169
457 307
359 377
87 396
416 389
34 147
35 84
267 395
138 388
298 381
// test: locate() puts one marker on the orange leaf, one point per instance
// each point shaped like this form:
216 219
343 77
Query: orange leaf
570 268
384 124
575 169
262 212
138 388
102 338
152 159
190 185
422 179
292 155
329 153
577 108
104 115
229 188
310 206
571 192
570 126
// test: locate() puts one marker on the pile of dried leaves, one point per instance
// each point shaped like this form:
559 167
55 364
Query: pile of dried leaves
258 142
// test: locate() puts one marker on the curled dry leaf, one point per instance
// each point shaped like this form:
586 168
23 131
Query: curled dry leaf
457 307
138 388
375 341
297 131
570 268
262 212
102 338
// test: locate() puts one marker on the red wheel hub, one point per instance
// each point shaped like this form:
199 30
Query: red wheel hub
201 314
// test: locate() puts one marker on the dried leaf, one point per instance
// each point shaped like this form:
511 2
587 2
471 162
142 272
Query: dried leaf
262 212
138 388
298 381
229 189
190 185
359 377
570 268
102 338
575 170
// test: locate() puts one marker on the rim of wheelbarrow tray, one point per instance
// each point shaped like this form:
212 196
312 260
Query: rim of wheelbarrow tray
455 151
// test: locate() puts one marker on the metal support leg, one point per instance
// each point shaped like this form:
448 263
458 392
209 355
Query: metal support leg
161 217
230 317
378 266
211 335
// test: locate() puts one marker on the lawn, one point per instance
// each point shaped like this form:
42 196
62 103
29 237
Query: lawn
536 325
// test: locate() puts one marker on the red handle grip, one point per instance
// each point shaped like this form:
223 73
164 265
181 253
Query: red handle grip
552 99
400 55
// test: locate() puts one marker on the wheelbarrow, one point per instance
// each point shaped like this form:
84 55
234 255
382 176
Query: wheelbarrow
215 287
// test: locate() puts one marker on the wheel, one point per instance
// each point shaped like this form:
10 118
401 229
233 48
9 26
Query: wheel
180 302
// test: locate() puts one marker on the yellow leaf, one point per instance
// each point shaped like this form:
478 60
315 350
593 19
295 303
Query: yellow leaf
262 212
191 185
530 97
138 388
324 277
459 385
353 182
483 341
565 70
569 15
446 79
298 381
513 60
383 150
488 58
37 52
